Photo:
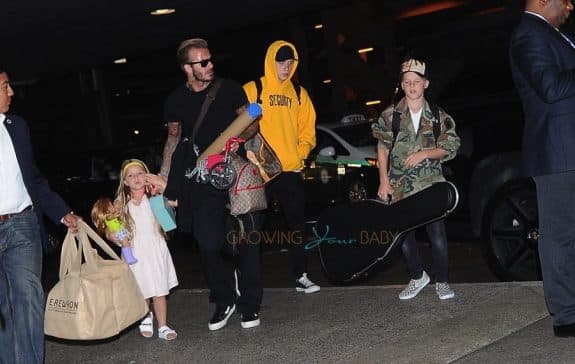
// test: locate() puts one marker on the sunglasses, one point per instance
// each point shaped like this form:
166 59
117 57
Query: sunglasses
204 62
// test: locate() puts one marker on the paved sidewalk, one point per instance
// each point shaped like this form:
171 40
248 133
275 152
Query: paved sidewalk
484 323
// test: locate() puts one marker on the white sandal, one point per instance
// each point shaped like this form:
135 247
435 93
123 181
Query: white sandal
147 326
165 333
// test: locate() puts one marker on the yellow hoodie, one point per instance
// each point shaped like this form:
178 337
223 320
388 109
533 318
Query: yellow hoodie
288 126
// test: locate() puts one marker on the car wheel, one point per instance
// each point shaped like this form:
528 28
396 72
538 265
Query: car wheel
356 191
510 233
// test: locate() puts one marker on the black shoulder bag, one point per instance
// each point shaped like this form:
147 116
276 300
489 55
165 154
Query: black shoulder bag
183 159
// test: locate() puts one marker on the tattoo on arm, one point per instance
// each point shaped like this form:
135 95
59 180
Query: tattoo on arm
174 133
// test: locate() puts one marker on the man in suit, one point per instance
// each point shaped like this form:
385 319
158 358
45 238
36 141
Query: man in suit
543 67
23 196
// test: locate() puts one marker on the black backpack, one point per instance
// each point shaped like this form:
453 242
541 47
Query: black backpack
258 82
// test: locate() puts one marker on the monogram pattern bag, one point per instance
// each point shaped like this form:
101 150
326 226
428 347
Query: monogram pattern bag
263 156
247 194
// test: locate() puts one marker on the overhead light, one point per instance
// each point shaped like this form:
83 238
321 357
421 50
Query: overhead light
318 26
121 60
326 81
365 50
136 132
373 102
162 11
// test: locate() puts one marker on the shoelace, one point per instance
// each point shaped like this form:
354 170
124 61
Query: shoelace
306 282
412 285
443 288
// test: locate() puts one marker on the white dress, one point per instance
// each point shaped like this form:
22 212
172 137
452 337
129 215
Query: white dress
154 271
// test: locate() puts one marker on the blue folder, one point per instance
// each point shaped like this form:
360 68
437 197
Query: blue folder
163 212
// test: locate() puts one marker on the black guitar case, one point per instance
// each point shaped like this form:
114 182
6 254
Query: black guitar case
353 237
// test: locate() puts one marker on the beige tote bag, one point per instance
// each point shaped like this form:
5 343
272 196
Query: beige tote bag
93 300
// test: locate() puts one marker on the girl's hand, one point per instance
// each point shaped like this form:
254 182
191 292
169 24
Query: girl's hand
113 238
414 159
173 203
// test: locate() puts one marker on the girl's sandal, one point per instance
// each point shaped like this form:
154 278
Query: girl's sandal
165 333
147 326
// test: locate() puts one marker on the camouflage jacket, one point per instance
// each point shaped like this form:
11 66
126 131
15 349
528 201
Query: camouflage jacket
407 181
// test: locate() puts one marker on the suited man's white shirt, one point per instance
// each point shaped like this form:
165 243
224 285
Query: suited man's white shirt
13 194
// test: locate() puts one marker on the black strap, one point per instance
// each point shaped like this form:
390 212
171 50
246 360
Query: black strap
436 123
296 86
210 97
394 127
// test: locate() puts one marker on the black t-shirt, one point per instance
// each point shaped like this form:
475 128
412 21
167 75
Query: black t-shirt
183 105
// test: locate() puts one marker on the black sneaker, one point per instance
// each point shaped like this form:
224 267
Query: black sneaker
250 320
221 316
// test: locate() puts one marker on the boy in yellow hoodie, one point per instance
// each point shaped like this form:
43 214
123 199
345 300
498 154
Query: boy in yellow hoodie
288 125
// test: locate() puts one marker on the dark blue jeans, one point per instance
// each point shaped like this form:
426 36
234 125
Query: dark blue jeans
438 239
555 200
21 294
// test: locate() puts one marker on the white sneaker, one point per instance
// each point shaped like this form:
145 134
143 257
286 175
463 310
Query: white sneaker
444 292
303 284
414 287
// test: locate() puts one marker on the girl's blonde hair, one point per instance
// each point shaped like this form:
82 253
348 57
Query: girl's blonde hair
123 195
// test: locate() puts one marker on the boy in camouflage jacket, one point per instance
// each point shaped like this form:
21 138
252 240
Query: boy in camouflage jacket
415 164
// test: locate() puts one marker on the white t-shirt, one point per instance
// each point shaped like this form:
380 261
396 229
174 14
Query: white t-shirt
416 118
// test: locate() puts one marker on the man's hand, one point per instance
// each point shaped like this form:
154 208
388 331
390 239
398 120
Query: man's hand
156 183
234 147
385 191
71 221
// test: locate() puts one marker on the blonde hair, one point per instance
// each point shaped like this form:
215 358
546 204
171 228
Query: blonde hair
102 209
123 195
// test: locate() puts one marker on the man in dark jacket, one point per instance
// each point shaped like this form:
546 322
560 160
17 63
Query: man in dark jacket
24 193
543 66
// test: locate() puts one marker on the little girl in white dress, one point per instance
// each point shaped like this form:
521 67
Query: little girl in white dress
154 271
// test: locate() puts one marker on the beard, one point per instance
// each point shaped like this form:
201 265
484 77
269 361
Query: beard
203 78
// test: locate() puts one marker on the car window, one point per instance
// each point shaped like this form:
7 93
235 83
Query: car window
323 140
358 135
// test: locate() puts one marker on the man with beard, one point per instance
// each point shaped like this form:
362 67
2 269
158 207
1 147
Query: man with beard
204 208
